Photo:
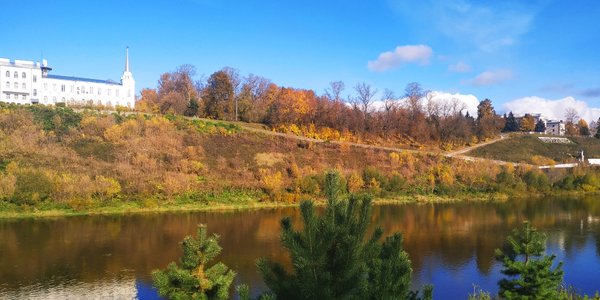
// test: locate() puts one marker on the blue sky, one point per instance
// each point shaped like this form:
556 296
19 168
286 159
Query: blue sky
502 50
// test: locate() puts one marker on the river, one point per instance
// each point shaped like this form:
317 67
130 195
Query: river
451 245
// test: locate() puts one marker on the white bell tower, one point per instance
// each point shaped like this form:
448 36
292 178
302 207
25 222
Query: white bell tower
127 82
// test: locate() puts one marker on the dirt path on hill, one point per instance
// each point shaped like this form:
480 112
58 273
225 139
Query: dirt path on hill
454 154
467 149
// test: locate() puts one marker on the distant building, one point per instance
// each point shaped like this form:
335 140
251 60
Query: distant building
555 127
28 82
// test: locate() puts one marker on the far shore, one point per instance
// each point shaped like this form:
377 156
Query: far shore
8 212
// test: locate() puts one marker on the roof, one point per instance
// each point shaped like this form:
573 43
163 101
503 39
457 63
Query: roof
60 77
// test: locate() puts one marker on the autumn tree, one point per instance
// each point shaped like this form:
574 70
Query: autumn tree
177 91
364 96
528 269
571 119
334 91
193 278
253 98
148 101
584 129
219 96
487 120
527 123
414 95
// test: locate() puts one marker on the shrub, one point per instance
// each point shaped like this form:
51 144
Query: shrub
31 187
271 181
355 182
396 184
308 185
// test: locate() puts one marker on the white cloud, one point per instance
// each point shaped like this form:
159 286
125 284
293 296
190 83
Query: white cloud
401 55
490 78
552 109
470 101
460 67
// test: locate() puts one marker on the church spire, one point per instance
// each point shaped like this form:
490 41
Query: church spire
127 59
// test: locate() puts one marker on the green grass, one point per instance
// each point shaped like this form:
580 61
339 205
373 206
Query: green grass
205 201
521 148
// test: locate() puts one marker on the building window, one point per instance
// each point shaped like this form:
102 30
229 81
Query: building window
99 91
78 90
24 97
63 88
16 74
34 92
16 85
7 74
23 75
34 78
24 85
8 85
83 89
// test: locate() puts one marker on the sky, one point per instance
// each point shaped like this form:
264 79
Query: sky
526 56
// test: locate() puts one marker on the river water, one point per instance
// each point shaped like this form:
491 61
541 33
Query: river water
451 246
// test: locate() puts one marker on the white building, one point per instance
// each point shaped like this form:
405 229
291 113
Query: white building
28 82
555 127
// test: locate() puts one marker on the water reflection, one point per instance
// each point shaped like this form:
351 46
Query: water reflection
450 245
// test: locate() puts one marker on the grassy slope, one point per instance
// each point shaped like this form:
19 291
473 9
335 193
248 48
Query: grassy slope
521 148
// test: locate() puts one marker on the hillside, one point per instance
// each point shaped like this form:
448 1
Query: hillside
530 149
60 159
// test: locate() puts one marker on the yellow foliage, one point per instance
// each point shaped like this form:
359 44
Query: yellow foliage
375 186
107 187
271 182
7 185
311 131
542 161
294 171
394 157
269 159
355 182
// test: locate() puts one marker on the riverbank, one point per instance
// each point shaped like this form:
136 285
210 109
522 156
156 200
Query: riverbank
249 202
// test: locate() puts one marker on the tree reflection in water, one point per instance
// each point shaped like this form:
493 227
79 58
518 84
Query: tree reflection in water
443 240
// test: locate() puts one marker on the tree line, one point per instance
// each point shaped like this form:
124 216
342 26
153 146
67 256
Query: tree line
418 117
574 125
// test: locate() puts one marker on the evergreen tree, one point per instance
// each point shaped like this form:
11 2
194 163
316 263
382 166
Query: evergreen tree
194 279
511 124
528 269
332 259
540 126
